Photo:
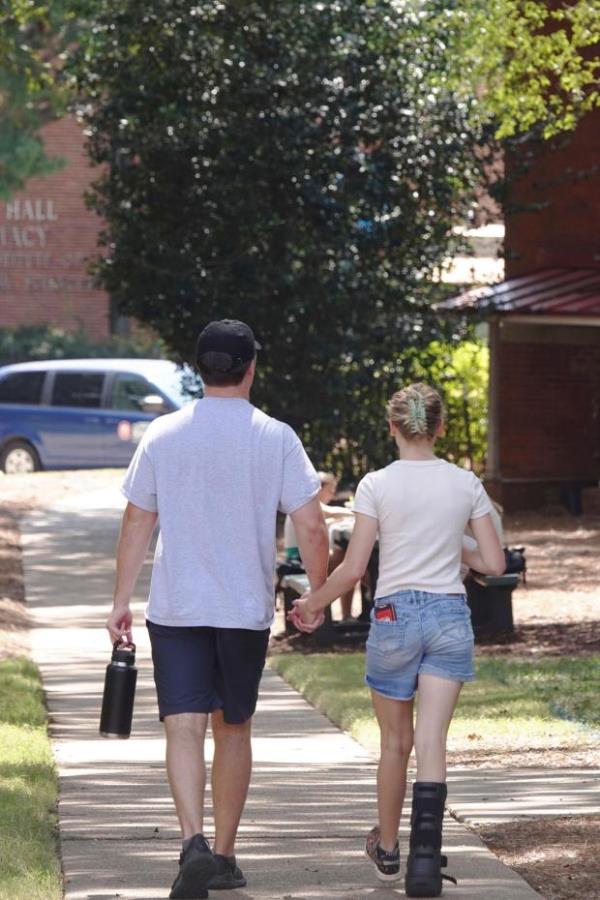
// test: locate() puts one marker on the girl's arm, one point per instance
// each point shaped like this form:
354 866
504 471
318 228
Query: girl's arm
488 557
350 570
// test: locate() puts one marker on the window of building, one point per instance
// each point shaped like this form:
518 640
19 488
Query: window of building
129 391
77 389
22 387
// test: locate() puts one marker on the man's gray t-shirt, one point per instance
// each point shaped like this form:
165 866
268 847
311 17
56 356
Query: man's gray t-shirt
216 472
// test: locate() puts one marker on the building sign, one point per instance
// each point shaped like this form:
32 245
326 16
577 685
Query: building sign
27 228
47 238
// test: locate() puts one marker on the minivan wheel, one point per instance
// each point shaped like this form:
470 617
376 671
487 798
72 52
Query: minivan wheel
19 457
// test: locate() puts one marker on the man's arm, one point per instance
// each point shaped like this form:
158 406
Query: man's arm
313 541
134 539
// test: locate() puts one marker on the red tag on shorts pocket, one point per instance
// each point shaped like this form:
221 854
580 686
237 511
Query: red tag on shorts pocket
385 613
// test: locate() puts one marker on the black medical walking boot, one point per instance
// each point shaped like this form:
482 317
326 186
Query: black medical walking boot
425 860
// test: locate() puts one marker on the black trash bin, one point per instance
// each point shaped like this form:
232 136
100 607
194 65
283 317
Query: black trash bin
491 603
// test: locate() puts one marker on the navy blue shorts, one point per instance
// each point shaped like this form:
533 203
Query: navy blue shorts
204 669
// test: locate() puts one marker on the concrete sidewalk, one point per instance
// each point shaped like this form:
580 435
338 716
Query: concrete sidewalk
312 798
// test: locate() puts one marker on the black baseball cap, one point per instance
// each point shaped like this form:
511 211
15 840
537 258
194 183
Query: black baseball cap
226 346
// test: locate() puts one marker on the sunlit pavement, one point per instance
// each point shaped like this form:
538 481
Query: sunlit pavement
312 798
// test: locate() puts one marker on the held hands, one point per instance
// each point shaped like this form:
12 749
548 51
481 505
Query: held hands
119 623
303 618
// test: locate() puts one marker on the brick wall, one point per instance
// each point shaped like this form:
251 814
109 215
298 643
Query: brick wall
46 237
562 183
547 377
548 410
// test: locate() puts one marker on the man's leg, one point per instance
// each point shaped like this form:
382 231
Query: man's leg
241 657
186 768
231 769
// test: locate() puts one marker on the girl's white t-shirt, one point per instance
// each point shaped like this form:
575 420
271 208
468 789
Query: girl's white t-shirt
422 508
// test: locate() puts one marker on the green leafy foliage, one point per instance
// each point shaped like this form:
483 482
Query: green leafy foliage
457 369
30 342
533 65
285 163
460 373
36 41
530 64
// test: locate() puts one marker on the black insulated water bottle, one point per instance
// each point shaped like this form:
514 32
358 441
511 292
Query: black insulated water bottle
119 692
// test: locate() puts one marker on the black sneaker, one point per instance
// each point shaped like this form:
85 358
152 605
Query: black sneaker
228 874
196 867
387 863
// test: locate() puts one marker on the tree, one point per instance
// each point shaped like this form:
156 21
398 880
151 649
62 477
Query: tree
288 164
35 39
533 65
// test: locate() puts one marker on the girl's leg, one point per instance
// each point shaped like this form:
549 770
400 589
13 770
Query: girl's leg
395 719
437 701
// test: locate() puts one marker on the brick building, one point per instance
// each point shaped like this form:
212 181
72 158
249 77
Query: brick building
544 320
46 238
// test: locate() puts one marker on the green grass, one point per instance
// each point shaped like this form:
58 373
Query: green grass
512 704
29 867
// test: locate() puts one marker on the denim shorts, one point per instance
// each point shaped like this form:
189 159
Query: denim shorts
431 634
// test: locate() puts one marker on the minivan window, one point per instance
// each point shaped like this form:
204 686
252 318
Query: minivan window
21 387
77 389
129 391
183 386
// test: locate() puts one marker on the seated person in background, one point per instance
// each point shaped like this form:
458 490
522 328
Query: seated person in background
333 515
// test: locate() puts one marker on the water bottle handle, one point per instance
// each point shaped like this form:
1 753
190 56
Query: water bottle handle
122 644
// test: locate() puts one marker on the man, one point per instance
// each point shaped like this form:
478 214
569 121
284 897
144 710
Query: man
214 475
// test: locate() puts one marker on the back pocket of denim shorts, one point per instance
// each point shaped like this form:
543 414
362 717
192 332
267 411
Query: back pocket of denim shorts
387 636
454 619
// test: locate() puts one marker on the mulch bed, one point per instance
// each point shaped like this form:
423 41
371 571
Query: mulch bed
531 640
544 639
11 569
559 856
14 620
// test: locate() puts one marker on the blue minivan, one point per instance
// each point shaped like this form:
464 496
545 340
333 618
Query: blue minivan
84 413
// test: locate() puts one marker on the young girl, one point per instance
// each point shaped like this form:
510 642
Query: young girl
421 635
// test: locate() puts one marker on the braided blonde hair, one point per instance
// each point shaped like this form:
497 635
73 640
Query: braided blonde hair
416 411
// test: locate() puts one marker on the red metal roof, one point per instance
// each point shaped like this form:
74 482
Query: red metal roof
556 292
